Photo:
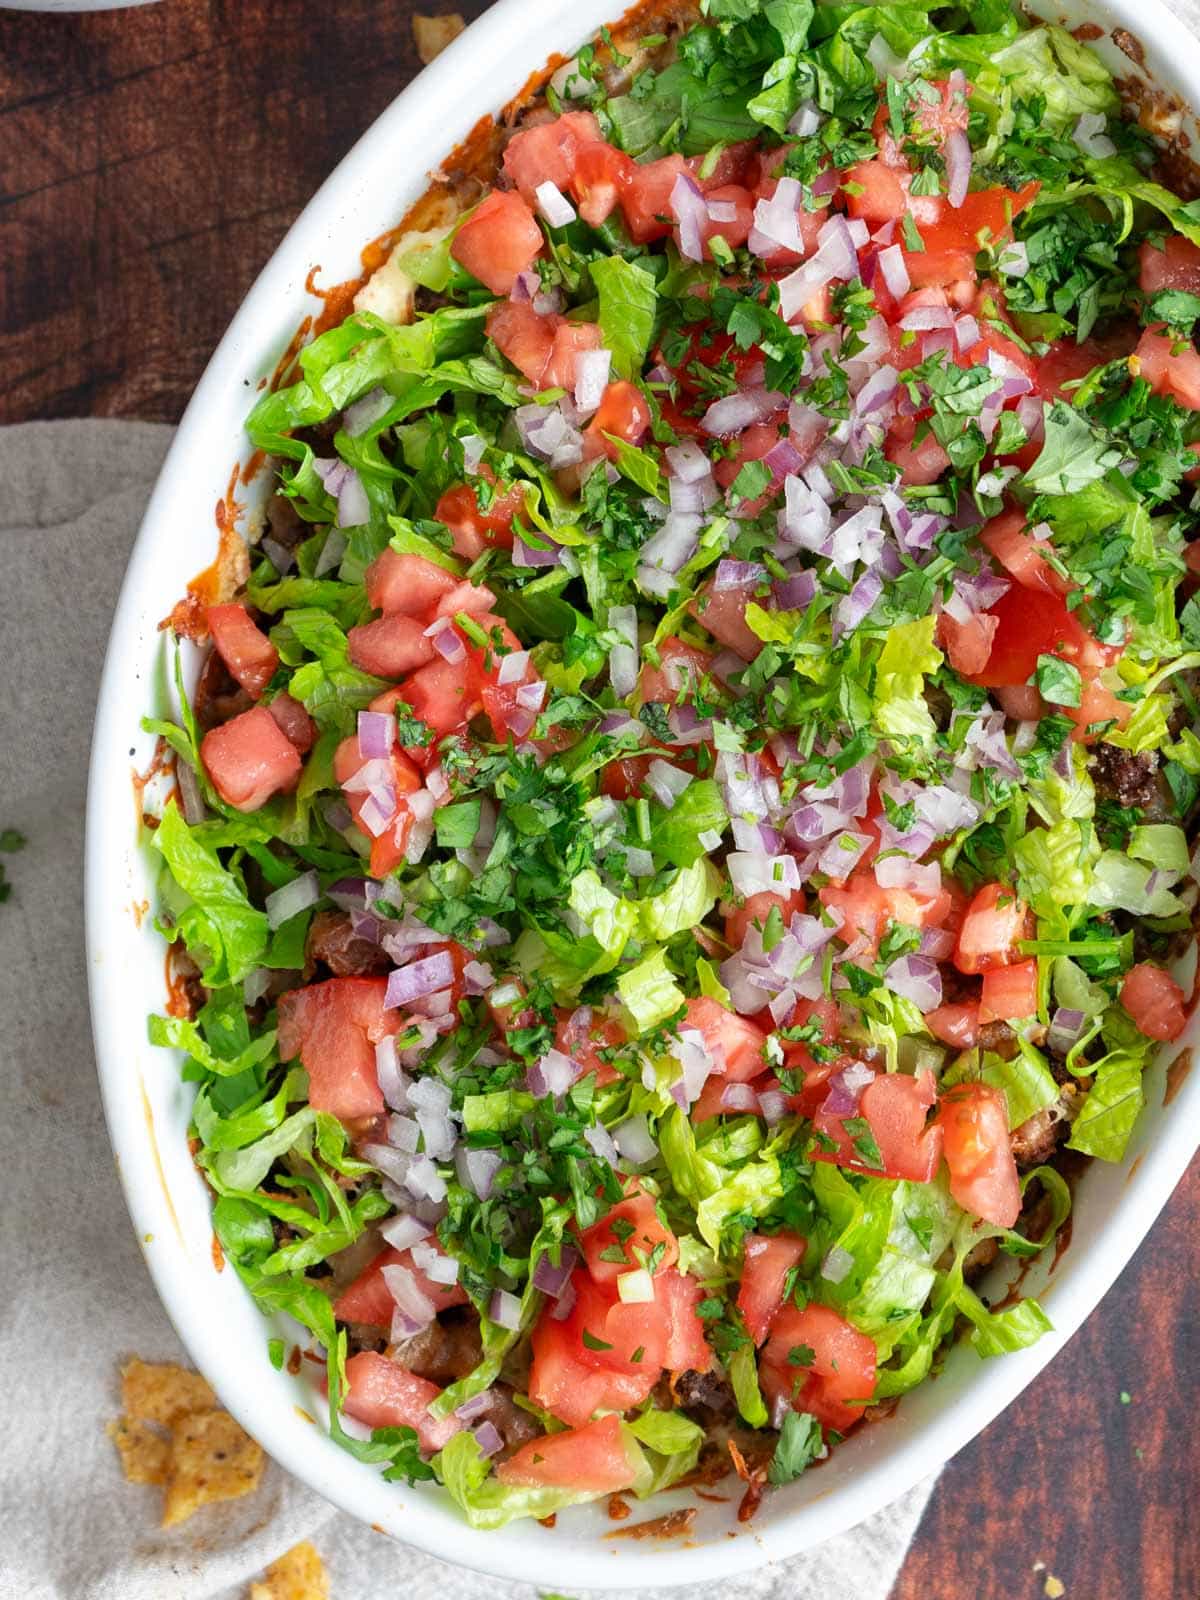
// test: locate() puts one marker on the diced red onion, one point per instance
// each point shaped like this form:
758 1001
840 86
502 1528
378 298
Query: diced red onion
551 1279
633 1139
477 1169
851 611
419 978
739 1098
690 211
838 1263
688 461
795 593
846 1089
404 1133
1090 136
393 1082
255 984
601 1142
938 943
777 220
773 1106
424 1181
958 167
899 872
894 271
527 555
403 1231
475 1407
554 205
191 799
437 1266
566 1301
473 448
512 666
332 552
806 518
376 731
448 644
591 378
1013 260
916 978
280 557
378 810
666 551
966 333
884 60
363 413
505 1310
1066 1026
926 317
666 782
806 120
489 1439
553 1074
405 1291
736 412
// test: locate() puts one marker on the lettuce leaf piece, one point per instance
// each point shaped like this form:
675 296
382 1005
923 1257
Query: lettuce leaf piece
693 1173
181 1034
1073 455
1120 883
219 925
751 1190
610 919
1114 1103
628 301
743 1375
1162 844
649 992
1026 1080
1012 1327
487 1503
683 904
1052 68
908 654
669 1433
1056 866
675 834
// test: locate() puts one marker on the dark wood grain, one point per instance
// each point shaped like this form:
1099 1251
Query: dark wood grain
150 161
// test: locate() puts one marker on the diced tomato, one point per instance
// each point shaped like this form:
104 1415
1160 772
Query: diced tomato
638 1212
968 645
474 598
334 1027
1007 538
601 175
499 240
383 1394
295 722
581 1034
735 1043
548 152
443 695
406 585
473 527
1031 623
390 646
646 202
523 336
1009 992
722 613
595 1457
884 198
939 268
1176 265
735 163
736 230
766 1263
244 648
570 1389
842 1369
368 1299
615 1336
955 1025
983 1174
1067 362
250 758
867 909
677 676
623 779
686 1349
1170 366
622 412
571 339
387 848
798 1058
894 1108
1154 1000
920 461
995 923
985 216
756 909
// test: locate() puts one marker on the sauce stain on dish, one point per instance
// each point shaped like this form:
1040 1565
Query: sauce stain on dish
1177 1074
674 1525
218 1255
148 1113
222 577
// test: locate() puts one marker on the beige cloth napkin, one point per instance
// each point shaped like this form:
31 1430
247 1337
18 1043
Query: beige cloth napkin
77 1298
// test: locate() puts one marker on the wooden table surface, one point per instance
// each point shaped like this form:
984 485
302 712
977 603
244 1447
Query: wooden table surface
150 161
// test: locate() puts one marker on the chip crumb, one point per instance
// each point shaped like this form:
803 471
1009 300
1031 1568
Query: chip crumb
162 1393
212 1458
1053 1588
298 1575
433 34
144 1453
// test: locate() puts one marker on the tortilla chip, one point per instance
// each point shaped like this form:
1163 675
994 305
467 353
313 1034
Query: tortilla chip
298 1575
144 1453
162 1393
212 1458
433 34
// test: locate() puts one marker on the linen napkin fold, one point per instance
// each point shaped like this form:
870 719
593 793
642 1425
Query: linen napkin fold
78 1299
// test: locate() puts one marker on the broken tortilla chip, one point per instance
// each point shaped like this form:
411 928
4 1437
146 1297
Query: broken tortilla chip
298 1575
162 1393
433 34
144 1453
212 1458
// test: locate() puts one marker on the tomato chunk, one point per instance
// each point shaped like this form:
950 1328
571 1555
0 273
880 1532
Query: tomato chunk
383 1394
243 647
623 413
646 201
250 758
634 1228
475 527
601 176
561 1382
498 240
1170 366
549 152
994 924
842 1369
765 1267
406 585
955 1025
722 612
755 910
390 646
334 1027
1020 554
894 1108
1009 992
735 1043
594 1457
295 722
686 1348
523 336
681 668
1175 266
1154 1000
983 1174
